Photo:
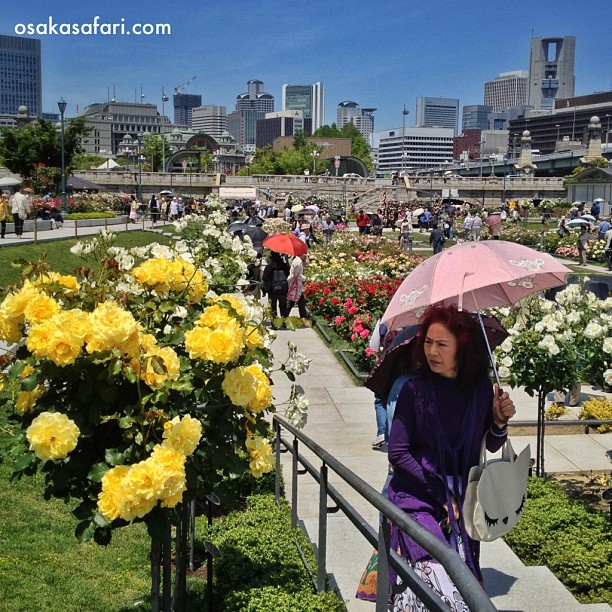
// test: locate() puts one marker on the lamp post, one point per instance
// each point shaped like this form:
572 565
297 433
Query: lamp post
62 109
314 155
139 137
164 100
405 112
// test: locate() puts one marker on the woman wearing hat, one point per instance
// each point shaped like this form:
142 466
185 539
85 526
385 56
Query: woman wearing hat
20 207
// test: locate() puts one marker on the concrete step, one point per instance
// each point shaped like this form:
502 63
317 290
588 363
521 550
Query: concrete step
513 586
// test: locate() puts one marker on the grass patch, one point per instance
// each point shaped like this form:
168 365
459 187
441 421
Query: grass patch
58 253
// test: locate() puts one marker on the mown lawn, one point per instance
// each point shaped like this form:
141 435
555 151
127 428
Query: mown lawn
57 252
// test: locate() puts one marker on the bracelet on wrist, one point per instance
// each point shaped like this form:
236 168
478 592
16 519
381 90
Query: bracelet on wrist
502 431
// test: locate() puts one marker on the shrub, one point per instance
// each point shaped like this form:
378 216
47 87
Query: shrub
599 409
554 411
573 541
90 215
261 568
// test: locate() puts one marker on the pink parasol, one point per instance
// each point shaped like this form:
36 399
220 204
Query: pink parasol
494 218
473 275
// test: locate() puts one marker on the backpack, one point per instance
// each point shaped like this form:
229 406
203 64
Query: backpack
279 285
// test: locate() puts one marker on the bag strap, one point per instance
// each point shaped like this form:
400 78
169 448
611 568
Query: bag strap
508 453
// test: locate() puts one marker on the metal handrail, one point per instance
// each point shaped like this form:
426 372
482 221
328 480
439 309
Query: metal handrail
464 580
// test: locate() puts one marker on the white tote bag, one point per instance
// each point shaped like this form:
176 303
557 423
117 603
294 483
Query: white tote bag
496 493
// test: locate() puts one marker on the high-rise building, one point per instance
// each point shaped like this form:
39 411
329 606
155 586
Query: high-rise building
310 99
506 90
112 121
418 149
551 71
437 112
281 123
250 106
210 119
362 118
183 107
475 117
20 75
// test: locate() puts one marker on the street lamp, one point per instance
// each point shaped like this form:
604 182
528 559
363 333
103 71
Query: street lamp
164 100
139 137
314 155
62 109
405 112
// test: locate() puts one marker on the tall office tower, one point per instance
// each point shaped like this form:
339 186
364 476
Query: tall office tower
475 117
183 107
506 90
551 71
437 112
20 75
362 118
308 98
250 106
210 119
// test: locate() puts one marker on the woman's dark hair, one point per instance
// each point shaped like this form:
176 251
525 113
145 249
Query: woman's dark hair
472 356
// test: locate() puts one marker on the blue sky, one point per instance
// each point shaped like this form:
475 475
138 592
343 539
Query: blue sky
379 54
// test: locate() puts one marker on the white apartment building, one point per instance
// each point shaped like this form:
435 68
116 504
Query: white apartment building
210 119
506 90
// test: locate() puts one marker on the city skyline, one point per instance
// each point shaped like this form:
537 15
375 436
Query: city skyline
383 58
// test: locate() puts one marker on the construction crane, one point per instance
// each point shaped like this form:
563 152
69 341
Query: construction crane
179 89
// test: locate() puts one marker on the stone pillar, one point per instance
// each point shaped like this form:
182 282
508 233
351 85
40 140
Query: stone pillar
593 139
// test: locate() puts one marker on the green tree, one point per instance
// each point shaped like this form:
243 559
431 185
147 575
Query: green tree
22 148
153 151
359 146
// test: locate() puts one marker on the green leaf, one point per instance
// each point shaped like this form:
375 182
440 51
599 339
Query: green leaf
84 511
101 521
97 471
24 461
126 422
113 457
103 536
29 383
84 531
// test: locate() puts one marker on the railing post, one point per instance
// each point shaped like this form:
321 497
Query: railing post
294 484
322 548
382 580
277 430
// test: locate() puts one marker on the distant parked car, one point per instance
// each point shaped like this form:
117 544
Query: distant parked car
351 175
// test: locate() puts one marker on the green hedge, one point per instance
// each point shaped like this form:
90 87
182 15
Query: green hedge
574 542
91 215
261 568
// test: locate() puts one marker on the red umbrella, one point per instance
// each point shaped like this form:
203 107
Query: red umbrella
494 218
285 243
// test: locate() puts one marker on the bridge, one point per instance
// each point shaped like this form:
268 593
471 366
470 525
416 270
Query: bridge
336 191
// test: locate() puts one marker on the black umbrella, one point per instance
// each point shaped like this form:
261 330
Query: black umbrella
238 226
255 220
255 233
398 358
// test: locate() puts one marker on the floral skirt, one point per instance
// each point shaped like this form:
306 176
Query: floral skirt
436 577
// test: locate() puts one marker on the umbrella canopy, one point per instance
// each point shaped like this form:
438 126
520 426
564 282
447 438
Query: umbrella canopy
237 226
598 200
494 218
588 218
457 276
398 358
9 181
255 220
417 212
285 243
296 208
574 223
167 192
255 233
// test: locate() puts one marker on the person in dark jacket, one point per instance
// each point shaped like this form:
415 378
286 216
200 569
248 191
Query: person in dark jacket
275 284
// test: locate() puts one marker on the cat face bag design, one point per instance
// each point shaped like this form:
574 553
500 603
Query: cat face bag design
496 493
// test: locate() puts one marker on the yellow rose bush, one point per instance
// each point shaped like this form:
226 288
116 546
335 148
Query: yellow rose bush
143 380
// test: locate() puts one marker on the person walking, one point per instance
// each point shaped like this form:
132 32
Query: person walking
328 227
4 213
583 242
468 222
20 207
443 413
275 283
296 280
436 239
476 227
607 252
363 222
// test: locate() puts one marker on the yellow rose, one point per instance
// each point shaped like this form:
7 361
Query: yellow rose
160 365
113 327
198 287
15 303
52 435
253 338
69 284
260 452
248 387
41 307
237 303
214 316
10 331
53 339
27 399
219 345
182 434
171 462
112 492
